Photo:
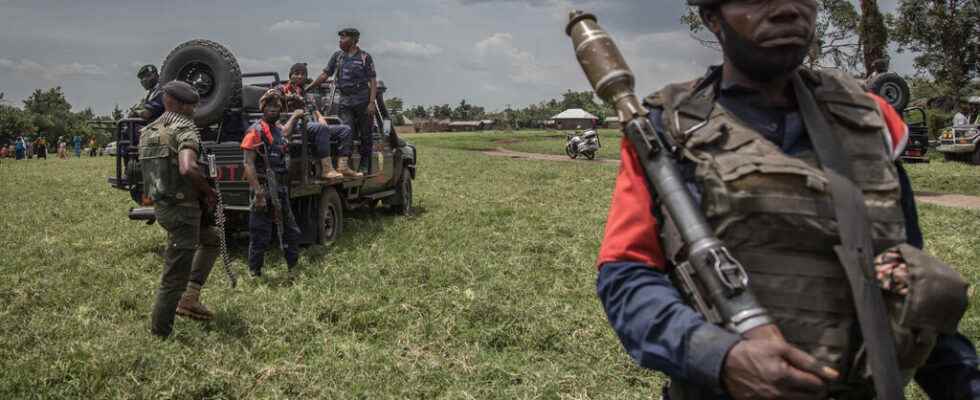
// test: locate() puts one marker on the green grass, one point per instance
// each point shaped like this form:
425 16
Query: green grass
543 142
488 292
943 176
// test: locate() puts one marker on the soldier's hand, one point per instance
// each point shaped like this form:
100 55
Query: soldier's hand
765 366
372 108
299 113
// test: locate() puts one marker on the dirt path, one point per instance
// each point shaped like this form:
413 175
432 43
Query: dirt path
502 152
941 199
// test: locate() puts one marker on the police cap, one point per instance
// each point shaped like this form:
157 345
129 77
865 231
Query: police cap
182 92
145 70
349 32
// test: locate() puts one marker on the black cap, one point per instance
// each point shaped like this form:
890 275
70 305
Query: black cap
701 3
349 32
182 92
146 69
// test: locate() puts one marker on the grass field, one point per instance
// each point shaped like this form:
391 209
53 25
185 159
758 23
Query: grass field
487 292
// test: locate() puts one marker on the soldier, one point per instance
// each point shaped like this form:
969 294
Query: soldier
264 141
322 134
152 105
749 150
358 85
169 150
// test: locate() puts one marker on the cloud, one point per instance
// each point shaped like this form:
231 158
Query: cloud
274 64
52 72
407 49
498 52
291 25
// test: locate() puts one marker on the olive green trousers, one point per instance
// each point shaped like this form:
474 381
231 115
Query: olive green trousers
189 257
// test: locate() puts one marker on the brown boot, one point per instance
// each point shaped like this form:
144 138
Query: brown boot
328 172
343 168
190 306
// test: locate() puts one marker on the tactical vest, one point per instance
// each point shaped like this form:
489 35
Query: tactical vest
775 211
275 150
352 75
162 180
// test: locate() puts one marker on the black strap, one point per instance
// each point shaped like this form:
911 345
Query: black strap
856 251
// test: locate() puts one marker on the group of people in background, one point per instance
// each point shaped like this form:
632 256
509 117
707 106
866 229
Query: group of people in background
24 149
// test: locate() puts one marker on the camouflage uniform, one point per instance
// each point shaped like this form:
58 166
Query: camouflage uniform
191 247
354 74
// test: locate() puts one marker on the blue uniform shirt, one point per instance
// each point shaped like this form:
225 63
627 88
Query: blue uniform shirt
154 103
354 76
661 332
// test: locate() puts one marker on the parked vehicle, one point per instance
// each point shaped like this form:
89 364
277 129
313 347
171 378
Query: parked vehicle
110 149
586 144
227 108
918 145
959 143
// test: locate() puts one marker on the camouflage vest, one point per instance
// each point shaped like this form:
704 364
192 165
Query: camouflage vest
775 211
162 180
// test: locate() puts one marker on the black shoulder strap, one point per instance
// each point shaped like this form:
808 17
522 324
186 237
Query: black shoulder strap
856 251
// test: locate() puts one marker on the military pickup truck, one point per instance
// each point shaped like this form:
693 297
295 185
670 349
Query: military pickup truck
228 106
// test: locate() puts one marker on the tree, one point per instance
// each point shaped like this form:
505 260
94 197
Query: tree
836 39
442 112
117 113
394 106
14 121
944 35
874 34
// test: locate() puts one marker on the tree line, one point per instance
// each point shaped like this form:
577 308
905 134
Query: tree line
530 116
47 114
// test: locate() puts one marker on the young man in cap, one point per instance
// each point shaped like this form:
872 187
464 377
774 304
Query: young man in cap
357 82
750 139
323 135
266 140
169 151
152 105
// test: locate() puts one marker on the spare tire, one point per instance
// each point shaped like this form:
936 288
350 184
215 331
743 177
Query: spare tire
893 88
213 71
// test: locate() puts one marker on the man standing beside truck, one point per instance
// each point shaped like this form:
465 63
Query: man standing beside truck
265 145
169 150
358 84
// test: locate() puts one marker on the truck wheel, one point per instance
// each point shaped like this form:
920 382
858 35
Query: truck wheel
590 155
893 88
331 217
212 70
403 195
975 156
949 156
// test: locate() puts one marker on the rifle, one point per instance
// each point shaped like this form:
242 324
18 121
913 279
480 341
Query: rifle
715 282
272 187
219 222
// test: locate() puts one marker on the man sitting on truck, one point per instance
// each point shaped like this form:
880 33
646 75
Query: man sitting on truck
323 135
265 146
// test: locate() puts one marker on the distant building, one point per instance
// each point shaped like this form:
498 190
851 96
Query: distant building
575 118
432 125
612 123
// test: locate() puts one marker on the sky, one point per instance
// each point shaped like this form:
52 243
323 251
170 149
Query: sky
492 53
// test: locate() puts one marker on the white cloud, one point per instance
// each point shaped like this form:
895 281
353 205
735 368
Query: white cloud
499 51
274 64
52 72
407 49
291 25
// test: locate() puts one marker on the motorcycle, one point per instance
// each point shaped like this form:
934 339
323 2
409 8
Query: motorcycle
586 144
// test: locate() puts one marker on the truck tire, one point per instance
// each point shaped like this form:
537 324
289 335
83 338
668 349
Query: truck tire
330 220
975 156
403 195
893 88
212 70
